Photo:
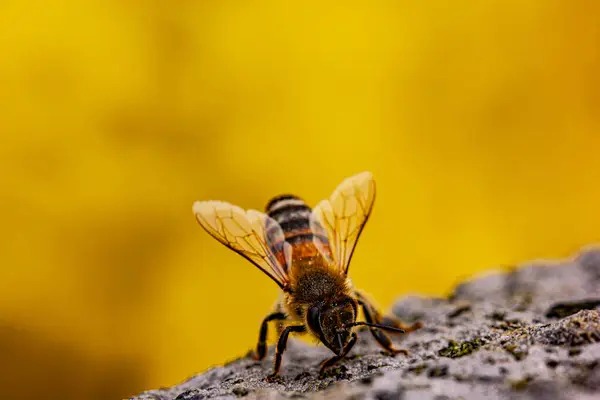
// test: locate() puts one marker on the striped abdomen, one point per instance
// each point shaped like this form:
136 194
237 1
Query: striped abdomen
293 215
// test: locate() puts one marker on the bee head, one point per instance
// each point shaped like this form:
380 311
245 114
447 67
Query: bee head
332 322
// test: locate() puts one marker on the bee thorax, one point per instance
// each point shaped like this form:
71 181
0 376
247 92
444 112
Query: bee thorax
318 284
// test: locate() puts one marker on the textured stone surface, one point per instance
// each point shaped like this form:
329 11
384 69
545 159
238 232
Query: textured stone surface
533 332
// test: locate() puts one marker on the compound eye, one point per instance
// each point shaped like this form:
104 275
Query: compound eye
313 318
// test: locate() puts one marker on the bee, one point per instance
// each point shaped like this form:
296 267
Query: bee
307 253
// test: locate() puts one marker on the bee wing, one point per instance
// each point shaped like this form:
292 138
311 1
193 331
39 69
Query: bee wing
245 233
344 216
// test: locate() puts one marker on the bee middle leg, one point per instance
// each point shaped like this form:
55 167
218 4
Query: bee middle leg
281 345
261 347
330 361
372 317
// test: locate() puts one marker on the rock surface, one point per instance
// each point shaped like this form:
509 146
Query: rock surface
531 333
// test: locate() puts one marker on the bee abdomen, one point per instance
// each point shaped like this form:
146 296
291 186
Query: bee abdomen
293 215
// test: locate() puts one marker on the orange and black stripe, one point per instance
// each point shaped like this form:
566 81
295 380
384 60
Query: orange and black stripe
293 215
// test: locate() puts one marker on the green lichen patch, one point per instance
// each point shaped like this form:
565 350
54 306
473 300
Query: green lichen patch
438 371
457 350
516 351
510 324
418 369
521 384
574 352
277 379
339 372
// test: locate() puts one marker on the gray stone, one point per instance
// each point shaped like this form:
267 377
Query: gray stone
530 333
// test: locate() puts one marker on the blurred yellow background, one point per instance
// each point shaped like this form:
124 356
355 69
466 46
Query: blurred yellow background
480 121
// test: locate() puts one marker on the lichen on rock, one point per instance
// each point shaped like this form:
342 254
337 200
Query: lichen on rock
531 333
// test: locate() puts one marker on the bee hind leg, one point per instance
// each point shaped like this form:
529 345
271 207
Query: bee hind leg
261 347
372 317
281 345
330 361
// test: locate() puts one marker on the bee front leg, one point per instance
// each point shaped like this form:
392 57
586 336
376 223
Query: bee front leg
281 345
382 338
261 347
329 362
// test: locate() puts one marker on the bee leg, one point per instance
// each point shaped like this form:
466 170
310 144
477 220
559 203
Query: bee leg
381 337
279 326
394 322
261 347
329 362
281 344
388 320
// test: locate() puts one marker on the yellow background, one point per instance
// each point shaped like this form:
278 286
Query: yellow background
479 120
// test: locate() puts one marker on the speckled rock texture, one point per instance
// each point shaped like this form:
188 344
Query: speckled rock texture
531 333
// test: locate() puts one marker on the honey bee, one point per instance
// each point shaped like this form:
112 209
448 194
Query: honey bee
307 253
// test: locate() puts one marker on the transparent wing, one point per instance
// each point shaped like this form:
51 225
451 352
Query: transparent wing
320 237
344 216
245 233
